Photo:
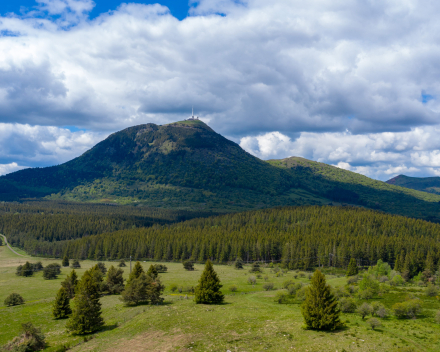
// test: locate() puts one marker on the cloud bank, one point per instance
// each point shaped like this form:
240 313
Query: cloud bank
352 83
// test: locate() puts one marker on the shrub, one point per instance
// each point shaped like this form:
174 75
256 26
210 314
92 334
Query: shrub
437 317
233 288
352 280
252 280
293 288
259 276
369 283
238 263
52 271
188 265
398 280
31 339
301 294
383 279
266 278
340 292
366 294
161 268
256 268
65 261
364 309
115 281
408 309
347 305
287 283
376 306
14 299
268 286
173 288
374 323
281 297
101 267
122 264
382 312
431 290
37 266
75 264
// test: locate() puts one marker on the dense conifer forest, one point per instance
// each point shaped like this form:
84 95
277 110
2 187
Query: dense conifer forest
298 237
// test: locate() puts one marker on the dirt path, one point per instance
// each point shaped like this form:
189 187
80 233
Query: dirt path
6 241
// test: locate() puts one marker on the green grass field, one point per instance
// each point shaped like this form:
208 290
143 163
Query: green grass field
250 319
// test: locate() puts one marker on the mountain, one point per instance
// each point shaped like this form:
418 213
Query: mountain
187 165
425 184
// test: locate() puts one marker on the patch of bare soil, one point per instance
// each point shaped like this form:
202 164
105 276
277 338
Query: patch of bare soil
154 341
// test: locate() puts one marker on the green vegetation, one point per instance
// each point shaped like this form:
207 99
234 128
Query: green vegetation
14 299
424 184
188 166
352 268
61 306
208 289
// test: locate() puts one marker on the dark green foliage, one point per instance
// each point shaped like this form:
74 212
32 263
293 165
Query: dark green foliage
31 339
160 268
136 272
256 268
27 270
76 264
65 261
37 266
61 307
352 268
408 309
102 268
143 289
347 305
208 289
425 184
70 284
86 314
14 299
98 277
320 308
114 280
238 263
152 272
365 309
51 271
188 265
122 263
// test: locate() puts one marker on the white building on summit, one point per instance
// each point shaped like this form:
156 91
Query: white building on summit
193 117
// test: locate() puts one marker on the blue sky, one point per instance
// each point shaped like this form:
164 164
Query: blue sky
178 8
348 83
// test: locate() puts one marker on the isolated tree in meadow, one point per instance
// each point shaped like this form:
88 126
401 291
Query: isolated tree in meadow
61 307
14 299
320 308
208 289
70 284
152 272
76 264
27 270
188 265
352 268
122 263
114 280
65 262
51 271
238 263
86 314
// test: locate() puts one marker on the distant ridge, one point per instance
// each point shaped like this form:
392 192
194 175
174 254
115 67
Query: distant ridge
424 184
187 165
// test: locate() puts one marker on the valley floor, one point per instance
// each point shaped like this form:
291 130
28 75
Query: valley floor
250 319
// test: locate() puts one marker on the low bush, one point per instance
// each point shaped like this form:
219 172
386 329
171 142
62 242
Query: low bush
374 323
431 290
77 265
347 305
51 271
268 286
364 309
233 288
188 265
31 339
173 287
14 299
281 297
252 280
408 309
437 317
301 294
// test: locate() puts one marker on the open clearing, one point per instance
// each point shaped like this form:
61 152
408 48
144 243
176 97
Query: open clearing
250 319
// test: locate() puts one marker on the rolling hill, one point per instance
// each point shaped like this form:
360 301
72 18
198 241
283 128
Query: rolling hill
424 184
187 165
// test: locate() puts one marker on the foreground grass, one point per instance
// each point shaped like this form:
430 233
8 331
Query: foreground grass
249 320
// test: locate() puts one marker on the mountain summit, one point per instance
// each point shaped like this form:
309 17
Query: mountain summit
188 165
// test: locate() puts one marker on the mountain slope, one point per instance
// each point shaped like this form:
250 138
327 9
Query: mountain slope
424 184
186 165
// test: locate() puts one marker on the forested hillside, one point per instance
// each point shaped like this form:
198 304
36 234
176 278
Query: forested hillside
299 237
186 165
425 184
58 221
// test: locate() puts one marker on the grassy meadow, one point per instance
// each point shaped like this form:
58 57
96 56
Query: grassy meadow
250 319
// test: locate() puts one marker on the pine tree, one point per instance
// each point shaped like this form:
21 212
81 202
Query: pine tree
70 284
152 272
136 272
122 263
61 306
114 280
136 291
27 270
429 263
86 316
352 268
320 309
76 264
238 263
65 261
208 289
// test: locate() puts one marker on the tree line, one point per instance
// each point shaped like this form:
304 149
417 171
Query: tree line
298 237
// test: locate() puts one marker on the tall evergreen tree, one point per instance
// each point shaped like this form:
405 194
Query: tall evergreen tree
70 284
208 289
114 280
152 272
320 309
65 262
136 272
86 316
61 306
352 268
429 263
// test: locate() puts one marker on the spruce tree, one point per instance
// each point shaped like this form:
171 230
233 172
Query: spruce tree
320 309
122 263
114 280
136 291
86 316
65 262
76 264
352 268
70 284
208 289
238 263
152 272
61 306
136 272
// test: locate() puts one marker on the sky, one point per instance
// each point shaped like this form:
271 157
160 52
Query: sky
349 83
